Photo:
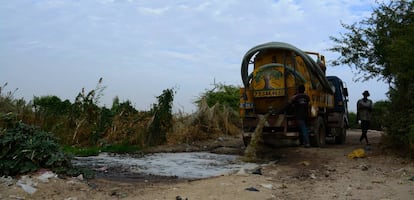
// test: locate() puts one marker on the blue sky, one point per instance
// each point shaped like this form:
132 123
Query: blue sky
141 47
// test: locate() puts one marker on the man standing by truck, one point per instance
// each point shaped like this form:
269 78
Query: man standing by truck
364 109
300 102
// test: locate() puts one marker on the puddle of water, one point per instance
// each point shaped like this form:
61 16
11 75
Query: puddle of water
191 165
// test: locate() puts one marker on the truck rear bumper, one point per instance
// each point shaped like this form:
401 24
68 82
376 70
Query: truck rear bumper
275 139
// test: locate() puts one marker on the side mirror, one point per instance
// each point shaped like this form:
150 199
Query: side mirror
346 92
333 88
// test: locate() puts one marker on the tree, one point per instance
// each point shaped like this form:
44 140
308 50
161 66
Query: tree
381 46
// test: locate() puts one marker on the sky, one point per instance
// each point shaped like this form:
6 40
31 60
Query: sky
141 47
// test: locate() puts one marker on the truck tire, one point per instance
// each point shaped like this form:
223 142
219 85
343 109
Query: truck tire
341 137
318 139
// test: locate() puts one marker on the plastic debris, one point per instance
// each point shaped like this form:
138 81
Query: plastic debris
357 153
257 171
268 186
80 177
27 184
44 177
242 171
252 189
6 180
180 198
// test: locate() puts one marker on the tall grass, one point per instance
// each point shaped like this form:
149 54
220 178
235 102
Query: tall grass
84 123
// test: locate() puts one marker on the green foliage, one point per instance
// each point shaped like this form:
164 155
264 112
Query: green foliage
25 148
379 113
86 114
225 95
95 150
121 148
51 105
353 124
81 151
217 114
381 47
399 120
161 122
18 107
84 128
7 101
51 112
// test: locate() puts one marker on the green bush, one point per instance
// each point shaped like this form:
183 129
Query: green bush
94 151
225 95
352 121
377 120
25 149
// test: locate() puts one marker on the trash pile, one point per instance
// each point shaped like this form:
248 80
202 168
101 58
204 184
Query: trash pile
28 182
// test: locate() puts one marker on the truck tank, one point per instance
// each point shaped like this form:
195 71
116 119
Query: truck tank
271 73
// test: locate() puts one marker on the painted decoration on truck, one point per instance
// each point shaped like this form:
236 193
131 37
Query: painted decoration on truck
268 82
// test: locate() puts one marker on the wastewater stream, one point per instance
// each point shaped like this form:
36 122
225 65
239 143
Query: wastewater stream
188 165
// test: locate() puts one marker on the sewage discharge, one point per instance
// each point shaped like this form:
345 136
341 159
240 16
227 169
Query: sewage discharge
189 165
250 154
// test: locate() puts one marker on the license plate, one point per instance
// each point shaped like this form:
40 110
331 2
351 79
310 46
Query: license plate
269 93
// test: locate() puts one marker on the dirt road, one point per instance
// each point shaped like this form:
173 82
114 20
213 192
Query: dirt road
288 173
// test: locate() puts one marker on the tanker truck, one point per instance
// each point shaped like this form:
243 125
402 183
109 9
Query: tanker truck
271 73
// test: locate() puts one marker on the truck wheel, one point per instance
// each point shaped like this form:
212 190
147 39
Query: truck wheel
341 137
318 140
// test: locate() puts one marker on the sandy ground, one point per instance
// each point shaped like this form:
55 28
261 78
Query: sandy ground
287 173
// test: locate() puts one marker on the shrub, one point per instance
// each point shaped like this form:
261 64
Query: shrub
25 149
225 95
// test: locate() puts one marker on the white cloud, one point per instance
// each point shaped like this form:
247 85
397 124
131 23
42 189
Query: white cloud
152 11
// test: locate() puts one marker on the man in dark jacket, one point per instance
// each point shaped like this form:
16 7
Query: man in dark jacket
300 102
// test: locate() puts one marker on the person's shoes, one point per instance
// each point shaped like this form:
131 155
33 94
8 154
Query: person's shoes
307 146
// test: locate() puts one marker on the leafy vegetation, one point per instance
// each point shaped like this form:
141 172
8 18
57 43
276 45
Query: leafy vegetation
161 121
380 46
378 115
83 128
225 95
95 150
217 114
25 149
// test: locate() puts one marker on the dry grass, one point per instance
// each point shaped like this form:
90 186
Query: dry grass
128 128
206 123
